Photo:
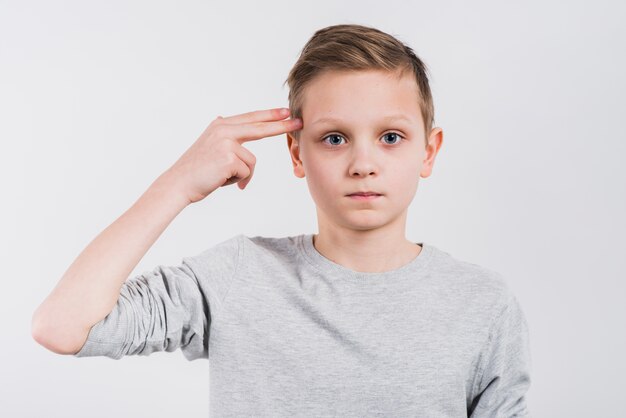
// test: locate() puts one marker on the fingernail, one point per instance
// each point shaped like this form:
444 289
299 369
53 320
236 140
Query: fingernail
284 111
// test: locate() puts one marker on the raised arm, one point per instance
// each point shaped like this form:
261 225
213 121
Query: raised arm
90 288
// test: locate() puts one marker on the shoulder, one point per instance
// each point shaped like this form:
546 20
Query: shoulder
241 246
271 246
224 254
272 243
477 285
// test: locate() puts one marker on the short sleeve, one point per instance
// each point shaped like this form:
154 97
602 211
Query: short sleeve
504 375
168 308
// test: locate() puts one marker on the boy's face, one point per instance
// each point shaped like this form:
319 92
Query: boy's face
361 150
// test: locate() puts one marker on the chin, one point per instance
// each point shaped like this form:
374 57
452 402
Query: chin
365 223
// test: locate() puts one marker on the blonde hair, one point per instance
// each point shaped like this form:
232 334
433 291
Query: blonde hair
352 47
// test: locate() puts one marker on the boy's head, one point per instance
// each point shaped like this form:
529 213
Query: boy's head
358 78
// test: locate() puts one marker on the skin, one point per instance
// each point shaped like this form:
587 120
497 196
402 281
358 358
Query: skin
361 152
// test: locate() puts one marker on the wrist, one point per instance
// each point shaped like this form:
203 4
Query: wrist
168 185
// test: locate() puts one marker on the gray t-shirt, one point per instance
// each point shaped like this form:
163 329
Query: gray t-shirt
288 332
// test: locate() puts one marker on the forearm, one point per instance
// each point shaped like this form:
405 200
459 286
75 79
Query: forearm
90 287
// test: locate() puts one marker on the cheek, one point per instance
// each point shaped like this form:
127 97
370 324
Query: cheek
404 179
409 169
315 166
316 172
323 179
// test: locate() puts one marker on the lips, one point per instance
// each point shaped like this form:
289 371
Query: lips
365 194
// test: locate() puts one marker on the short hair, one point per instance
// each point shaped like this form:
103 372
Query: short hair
352 47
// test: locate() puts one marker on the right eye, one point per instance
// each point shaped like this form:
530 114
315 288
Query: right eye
330 136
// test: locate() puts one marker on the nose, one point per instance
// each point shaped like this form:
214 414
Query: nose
362 162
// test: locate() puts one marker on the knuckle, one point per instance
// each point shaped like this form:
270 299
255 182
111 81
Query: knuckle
231 157
232 146
259 125
215 122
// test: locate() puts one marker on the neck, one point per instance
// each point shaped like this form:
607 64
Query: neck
373 251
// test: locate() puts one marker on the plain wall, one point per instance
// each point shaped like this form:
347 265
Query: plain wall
98 98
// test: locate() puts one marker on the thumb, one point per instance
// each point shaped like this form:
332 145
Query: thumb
242 184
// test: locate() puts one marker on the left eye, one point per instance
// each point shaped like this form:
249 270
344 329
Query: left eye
385 135
393 133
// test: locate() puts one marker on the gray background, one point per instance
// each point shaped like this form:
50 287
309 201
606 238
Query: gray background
98 98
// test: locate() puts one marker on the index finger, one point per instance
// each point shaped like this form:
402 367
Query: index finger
258 116
256 130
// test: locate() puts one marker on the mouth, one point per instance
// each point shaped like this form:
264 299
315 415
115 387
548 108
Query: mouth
365 196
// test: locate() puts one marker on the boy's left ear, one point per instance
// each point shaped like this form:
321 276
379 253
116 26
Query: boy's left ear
435 139
294 152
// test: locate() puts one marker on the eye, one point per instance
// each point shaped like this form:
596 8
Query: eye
339 136
331 136
396 134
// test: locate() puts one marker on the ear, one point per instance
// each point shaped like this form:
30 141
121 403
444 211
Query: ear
435 139
294 152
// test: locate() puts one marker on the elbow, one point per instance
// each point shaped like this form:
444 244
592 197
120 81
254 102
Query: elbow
57 340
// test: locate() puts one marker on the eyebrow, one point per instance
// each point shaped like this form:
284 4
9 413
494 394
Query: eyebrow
389 118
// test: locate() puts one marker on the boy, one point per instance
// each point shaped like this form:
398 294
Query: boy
353 321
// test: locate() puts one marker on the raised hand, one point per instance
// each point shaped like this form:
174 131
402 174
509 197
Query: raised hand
218 158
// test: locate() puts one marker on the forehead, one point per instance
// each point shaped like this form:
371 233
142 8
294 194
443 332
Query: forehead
344 96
